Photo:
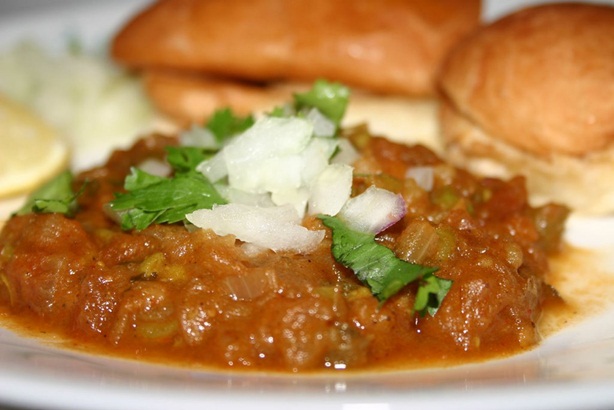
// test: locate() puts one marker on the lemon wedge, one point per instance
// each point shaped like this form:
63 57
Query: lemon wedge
31 151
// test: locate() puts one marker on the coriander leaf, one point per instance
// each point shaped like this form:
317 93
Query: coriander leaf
185 159
153 199
280 111
56 196
139 179
430 294
331 99
225 124
378 267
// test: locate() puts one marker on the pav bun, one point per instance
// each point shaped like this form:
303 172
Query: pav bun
533 93
384 46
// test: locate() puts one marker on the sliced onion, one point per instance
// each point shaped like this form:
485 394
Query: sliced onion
373 211
251 286
277 228
418 242
331 190
316 157
346 154
424 176
156 167
242 197
269 137
322 126
198 136
295 197
267 157
214 169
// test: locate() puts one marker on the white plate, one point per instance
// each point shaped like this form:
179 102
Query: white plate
573 369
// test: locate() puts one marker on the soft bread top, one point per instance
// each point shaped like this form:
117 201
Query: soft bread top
389 46
541 79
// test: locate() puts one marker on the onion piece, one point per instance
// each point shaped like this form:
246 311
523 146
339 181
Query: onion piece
296 197
251 286
278 228
316 157
242 197
214 169
198 136
156 167
424 176
322 125
331 190
346 154
266 157
373 211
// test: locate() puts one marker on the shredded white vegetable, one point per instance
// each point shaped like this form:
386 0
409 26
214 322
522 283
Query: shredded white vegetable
84 96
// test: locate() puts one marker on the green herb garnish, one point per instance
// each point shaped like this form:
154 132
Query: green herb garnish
225 124
331 99
185 159
56 196
378 267
153 199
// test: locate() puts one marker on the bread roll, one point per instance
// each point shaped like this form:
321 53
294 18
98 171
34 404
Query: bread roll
387 46
533 93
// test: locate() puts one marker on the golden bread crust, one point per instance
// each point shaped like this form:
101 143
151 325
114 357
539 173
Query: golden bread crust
388 46
541 79
189 98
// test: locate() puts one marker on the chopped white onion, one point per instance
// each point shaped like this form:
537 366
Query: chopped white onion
316 157
266 156
251 286
424 176
267 174
241 197
331 190
322 126
278 228
373 211
198 136
270 137
251 250
346 154
296 197
156 167
279 157
214 168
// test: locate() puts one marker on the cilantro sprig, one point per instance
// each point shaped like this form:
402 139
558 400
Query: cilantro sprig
153 199
331 99
378 267
224 124
55 196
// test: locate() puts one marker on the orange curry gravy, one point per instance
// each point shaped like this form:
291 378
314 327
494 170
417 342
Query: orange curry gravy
193 298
